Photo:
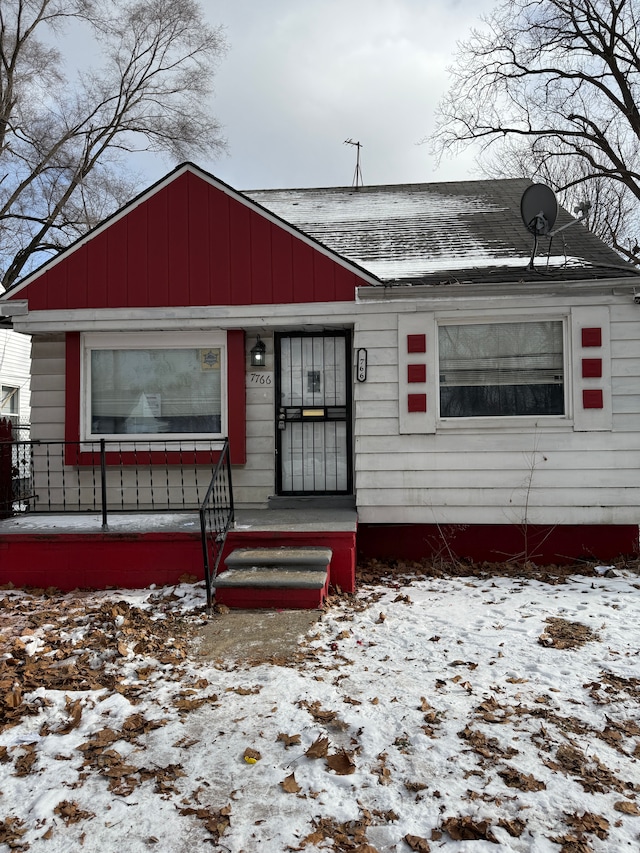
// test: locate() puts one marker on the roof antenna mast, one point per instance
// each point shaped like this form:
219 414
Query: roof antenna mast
357 175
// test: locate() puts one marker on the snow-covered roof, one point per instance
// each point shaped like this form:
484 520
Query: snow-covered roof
464 230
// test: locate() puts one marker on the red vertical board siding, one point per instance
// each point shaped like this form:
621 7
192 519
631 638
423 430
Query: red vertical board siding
198 238
302 272
236 397
157 251
324 279
178 249
261 270
77 278
97 282
117 281
240 253
219 249
137 272
191 243
49 291
346 283
281 265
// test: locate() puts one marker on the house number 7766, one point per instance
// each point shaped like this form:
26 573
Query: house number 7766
260 378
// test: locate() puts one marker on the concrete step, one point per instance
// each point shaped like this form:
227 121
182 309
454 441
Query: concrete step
285 577
271 577
295 559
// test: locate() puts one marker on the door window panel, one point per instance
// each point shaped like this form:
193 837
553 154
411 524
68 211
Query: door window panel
314 457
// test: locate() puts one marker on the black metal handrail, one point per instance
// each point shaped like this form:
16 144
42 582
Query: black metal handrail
216 518
108 475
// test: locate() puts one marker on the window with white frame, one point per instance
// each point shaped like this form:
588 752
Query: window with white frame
150 385
501 369
9 400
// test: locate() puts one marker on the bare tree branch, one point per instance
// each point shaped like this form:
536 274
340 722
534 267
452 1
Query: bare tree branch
62 142
554 87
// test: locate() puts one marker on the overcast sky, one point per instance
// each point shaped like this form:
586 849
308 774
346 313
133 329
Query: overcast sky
301 76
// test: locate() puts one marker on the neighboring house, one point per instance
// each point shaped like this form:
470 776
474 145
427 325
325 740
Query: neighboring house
416 368
15 387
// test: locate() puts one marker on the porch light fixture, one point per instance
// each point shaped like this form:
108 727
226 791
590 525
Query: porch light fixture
258 353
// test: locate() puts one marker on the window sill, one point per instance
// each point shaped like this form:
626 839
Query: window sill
549 423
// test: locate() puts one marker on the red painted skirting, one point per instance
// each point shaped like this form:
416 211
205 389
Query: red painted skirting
563 544
98 560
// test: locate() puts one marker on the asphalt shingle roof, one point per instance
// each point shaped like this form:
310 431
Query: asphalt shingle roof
441 232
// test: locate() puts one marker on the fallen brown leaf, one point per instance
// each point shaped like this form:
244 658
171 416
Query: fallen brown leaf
290 785
342 762
467 829
415 842
627 807
288 740
70 812
319 748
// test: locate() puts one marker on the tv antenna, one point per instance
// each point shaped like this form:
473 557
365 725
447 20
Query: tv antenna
357 175
539 211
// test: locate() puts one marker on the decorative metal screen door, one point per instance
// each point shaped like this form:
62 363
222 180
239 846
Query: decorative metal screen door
313 411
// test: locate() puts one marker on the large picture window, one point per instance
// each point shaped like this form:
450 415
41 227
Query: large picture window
144 388
501 369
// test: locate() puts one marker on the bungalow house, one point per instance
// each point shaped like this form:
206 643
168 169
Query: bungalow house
395 371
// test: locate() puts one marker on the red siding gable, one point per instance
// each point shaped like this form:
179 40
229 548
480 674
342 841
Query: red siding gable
190 243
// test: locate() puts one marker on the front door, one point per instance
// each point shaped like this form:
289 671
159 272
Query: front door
313 411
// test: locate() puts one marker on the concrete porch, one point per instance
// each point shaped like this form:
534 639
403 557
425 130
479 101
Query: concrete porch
139 549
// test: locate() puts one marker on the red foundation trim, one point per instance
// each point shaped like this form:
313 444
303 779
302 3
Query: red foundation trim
562 545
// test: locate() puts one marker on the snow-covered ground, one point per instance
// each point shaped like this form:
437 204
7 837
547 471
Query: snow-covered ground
448 714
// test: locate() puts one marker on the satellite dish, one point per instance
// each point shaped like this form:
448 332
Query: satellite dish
539 209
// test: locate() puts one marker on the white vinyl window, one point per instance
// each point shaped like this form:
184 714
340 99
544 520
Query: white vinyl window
501 369
147 385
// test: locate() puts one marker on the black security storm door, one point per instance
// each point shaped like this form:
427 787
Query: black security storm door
313 413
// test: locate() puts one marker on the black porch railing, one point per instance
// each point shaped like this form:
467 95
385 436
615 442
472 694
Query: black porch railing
216 517
106 476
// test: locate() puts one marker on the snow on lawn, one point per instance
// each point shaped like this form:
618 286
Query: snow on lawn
448 713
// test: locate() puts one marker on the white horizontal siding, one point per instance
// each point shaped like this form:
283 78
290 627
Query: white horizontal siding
551 516
254 482
47 388
15 352
500 473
